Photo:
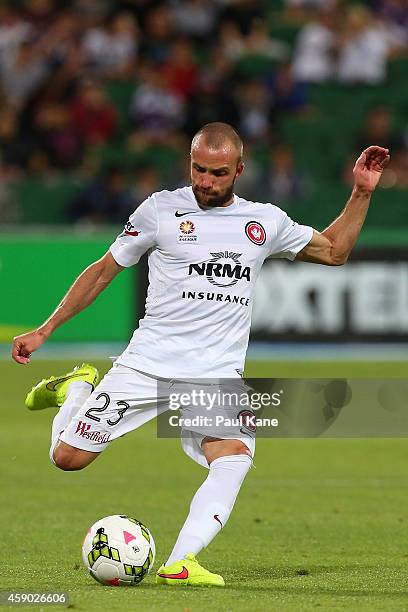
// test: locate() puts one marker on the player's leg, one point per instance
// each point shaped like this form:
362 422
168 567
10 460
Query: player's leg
76 395
214 448
69 392
123 401
69 458
229 461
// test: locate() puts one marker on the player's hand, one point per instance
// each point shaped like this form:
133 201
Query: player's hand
369 167
26 344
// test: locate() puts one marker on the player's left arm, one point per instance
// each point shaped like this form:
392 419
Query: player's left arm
333 246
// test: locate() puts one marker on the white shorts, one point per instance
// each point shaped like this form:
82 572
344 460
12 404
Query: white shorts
126 399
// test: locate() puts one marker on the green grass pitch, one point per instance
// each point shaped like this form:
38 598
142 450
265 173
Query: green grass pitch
319 524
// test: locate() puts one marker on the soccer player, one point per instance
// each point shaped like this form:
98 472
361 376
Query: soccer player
206 247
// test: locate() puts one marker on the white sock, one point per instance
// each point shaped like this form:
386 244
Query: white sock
77 394
211 505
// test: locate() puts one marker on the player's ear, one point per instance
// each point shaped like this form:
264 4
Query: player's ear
240 168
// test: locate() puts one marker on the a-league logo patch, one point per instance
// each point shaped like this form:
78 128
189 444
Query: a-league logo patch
187 232
255 232
187 227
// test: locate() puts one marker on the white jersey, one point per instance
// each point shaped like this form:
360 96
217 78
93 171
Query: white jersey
203 266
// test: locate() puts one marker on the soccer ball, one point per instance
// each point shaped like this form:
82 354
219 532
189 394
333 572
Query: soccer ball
118 551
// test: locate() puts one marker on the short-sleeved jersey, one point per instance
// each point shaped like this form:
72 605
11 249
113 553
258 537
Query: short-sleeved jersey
203 266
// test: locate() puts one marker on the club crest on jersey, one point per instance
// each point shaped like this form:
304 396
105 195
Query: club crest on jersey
224 269
247 421
187 231
255 232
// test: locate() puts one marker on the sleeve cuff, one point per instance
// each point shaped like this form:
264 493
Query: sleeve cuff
308 235
119 257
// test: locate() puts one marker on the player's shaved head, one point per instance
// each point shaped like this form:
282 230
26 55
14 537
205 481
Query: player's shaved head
218 136
216 162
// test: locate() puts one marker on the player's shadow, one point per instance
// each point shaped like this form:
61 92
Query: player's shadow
334 592
263 574
260 574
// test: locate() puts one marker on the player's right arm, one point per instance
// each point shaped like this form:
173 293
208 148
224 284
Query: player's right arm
138 236
93 280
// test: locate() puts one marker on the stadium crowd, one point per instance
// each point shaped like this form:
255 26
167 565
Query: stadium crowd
112 91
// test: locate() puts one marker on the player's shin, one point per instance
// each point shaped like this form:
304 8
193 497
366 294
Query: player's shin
77 394
211 505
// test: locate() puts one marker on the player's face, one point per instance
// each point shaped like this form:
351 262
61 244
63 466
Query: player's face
213 175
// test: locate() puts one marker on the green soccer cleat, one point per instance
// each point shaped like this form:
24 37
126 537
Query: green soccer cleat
51 392
188 572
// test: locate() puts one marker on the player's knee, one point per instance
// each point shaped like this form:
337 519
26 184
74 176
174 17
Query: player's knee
241 449
236 447
215 448
67 460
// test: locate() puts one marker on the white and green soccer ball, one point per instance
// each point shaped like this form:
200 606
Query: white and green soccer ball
118 551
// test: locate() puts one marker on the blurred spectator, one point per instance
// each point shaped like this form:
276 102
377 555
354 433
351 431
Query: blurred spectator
62 36
14 151
216 74
394 13
288 94
106 199
193 17
144 182
23 71
364 48
139 8
259 43
255 110
243 13
66 58
379 129
392 10
311 5
13 30
180 69
158 32
93 12
94 117
207 106
40 14
155 111
57 136
111 50
281 182
314 55
213 99
231 41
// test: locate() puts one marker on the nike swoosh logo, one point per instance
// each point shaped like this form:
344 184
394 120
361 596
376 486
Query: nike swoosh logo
190 212
217 518
51 386
180 576
132 233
